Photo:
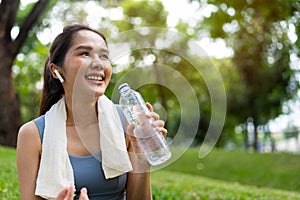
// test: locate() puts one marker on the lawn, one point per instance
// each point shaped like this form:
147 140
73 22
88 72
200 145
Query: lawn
9 188
170 185
273 170
222 175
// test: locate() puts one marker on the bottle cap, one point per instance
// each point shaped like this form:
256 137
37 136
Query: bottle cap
123 86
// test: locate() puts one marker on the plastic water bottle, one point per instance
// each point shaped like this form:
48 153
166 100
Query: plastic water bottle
152 143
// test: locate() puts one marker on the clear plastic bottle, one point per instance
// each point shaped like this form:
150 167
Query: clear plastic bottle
153 144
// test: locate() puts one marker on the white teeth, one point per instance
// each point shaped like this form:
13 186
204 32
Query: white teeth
94 78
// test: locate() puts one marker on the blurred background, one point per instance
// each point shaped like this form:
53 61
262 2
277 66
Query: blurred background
254 45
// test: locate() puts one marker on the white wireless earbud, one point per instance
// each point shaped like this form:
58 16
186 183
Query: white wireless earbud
59 76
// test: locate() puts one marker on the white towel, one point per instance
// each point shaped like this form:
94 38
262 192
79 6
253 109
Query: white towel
56 171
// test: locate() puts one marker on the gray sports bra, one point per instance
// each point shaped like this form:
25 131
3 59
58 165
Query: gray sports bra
88 172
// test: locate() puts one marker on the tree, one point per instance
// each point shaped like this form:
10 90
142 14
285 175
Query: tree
135 15
165 70
10 119
258 32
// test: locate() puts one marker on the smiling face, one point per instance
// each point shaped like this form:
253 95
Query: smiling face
86 68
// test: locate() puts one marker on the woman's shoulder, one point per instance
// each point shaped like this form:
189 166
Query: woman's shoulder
28 135
28 129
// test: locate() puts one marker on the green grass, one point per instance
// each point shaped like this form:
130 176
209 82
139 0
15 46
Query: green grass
170 185
9 188
278 170
222 175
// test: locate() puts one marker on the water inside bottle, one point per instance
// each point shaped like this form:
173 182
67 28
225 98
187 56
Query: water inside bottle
153 144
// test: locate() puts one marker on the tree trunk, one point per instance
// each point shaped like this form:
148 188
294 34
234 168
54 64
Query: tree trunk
255 145
10 119
246 141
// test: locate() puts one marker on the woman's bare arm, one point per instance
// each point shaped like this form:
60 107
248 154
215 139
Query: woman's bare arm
139 180
28 159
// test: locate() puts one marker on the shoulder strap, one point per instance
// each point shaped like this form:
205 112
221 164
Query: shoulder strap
40 122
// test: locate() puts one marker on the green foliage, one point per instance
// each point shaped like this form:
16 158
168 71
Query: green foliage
258 33
235 98
142 14
27 73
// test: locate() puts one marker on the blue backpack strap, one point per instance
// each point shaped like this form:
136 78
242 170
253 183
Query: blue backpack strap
40 122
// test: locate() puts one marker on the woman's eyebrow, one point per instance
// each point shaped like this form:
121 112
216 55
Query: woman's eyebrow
83 47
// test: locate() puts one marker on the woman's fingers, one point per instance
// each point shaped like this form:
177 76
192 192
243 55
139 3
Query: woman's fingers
162 130
130 129
158 123
63 194
66 194
153 115
133 139
70 193
83 194
149 106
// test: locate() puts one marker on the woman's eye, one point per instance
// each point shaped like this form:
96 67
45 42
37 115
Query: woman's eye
85 53
104 57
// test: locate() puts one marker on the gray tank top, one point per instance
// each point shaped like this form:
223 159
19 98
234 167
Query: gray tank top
88 172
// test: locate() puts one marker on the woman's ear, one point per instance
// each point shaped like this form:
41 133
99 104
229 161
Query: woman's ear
55 72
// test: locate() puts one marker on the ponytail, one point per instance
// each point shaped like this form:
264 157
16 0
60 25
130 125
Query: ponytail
52 90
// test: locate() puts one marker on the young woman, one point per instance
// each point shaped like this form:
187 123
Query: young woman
76 75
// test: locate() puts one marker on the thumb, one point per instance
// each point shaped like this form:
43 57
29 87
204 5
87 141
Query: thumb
83 194
130 129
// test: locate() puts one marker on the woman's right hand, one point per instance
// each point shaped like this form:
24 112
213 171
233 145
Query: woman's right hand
68 194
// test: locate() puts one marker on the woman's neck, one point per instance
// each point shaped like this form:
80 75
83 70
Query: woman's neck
81 113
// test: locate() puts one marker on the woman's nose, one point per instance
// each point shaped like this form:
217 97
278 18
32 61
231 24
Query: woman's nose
100 64
95 66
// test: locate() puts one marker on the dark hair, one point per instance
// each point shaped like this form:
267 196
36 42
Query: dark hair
52 88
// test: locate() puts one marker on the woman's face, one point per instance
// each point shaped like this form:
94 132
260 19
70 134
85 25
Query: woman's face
86 68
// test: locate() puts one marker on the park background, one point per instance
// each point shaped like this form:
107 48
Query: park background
254 46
